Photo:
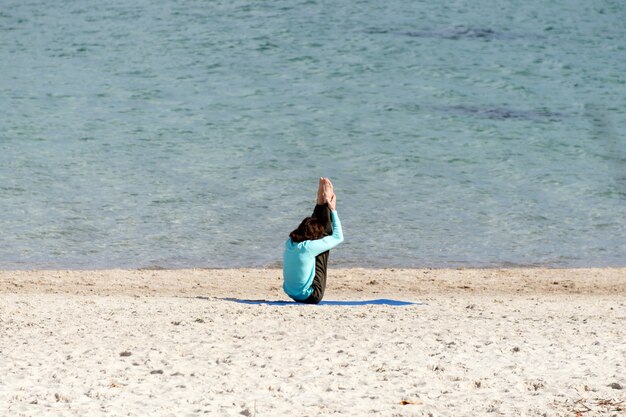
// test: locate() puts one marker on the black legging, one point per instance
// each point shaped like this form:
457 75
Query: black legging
322 214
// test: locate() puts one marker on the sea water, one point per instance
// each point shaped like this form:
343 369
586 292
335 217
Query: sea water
193 133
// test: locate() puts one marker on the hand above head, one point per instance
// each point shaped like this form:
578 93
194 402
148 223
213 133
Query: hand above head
320 192
327 190
332 203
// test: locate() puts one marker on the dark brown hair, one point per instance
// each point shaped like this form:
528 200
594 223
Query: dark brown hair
309 229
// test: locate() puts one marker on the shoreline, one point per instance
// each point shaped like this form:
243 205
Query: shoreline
342 282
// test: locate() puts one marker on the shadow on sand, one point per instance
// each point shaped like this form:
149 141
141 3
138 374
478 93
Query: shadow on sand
380 301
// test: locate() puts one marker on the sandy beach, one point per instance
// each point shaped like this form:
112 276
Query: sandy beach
509 342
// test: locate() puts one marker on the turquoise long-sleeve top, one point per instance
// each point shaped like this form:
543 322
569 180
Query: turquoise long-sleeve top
299 260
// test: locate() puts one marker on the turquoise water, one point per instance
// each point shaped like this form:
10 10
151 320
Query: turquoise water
192 134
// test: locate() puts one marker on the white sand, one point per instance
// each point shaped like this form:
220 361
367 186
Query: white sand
488 342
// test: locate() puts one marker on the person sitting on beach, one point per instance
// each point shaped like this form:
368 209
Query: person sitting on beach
307 248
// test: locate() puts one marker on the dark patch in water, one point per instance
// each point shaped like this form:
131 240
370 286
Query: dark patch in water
603 131
502 113
459 32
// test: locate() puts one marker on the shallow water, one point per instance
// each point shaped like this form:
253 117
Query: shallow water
192 134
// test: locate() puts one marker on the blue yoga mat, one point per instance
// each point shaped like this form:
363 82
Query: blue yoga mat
380 301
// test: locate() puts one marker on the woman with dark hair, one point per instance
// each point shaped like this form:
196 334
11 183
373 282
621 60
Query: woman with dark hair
307 249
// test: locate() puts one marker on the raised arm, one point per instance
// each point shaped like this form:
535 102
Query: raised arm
322 245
